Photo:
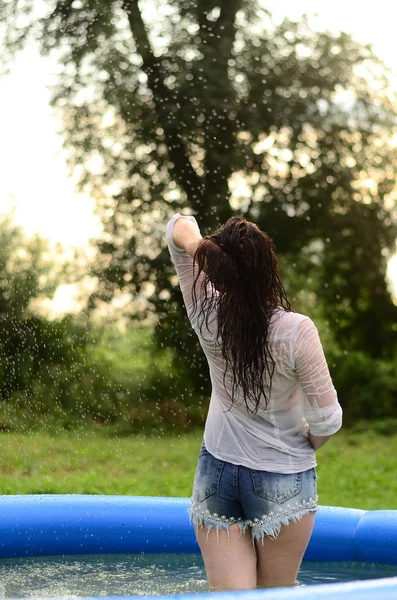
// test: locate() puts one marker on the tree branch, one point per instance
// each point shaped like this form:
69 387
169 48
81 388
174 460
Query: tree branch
182 169
217 39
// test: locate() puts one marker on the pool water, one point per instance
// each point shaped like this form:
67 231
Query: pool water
145 574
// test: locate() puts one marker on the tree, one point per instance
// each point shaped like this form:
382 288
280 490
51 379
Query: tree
179 106
49 373
27 275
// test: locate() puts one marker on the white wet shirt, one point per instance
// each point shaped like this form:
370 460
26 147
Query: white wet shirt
302 397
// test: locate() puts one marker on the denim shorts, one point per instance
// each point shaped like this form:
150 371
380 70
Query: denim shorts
225 494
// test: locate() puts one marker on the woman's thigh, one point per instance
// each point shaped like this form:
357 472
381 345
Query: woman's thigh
280 509
229 558
279 559
225 543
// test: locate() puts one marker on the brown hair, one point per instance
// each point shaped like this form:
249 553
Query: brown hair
239 262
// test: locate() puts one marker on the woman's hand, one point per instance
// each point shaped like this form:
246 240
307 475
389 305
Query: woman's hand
186 235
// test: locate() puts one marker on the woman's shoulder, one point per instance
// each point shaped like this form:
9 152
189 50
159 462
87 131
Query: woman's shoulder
289 320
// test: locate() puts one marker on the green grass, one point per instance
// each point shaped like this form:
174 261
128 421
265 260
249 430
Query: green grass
355 469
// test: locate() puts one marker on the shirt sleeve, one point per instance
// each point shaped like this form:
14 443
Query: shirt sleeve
184 265
320 405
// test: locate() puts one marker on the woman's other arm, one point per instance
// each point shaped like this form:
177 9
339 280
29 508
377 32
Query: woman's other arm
320 404
318 440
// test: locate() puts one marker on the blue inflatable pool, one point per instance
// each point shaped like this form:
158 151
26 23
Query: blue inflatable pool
47 525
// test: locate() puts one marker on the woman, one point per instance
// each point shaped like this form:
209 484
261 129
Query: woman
272 405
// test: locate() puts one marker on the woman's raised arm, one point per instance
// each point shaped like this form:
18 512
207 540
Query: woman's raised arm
186 235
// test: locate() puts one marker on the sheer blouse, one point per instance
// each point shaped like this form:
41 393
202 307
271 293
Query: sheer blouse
303 397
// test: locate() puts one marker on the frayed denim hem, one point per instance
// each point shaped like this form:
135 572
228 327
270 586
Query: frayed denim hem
268 525
271 527
213 520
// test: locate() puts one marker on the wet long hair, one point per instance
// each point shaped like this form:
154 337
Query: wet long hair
242 285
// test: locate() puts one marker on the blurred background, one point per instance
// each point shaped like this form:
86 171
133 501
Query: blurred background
114 115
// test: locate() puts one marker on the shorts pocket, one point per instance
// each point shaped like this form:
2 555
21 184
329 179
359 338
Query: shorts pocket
276 487
208 476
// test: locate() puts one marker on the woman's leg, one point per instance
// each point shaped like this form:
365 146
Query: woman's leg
279 560
229 558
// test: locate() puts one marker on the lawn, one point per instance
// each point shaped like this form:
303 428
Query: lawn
355 469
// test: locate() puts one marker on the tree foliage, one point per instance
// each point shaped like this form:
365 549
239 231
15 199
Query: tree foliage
212 108
29 274
48 368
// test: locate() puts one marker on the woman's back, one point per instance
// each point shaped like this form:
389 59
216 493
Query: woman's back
275 438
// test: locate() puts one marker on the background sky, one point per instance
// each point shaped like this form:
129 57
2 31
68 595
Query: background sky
35 178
